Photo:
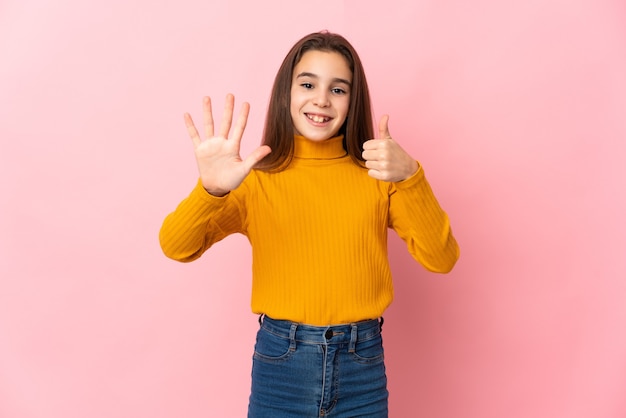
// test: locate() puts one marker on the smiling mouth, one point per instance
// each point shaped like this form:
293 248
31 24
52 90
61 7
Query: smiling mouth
318 118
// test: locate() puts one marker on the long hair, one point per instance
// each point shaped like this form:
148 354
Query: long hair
278 132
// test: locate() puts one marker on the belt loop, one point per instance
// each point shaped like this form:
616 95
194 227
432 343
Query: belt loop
380 324
292 337
261 320
353 338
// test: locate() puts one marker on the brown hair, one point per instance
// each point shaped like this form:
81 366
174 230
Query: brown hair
278 132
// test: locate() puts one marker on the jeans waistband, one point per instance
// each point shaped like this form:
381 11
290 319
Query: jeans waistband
331 334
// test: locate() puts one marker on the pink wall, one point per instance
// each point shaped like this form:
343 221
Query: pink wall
518 113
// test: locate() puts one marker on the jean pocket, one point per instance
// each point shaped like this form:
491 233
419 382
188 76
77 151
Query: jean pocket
369 351
270 347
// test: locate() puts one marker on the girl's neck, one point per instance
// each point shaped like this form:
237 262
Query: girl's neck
328 149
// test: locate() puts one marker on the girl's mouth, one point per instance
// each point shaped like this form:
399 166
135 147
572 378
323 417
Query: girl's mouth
318 118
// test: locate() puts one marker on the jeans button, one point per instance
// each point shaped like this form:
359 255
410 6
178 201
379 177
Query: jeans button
329 334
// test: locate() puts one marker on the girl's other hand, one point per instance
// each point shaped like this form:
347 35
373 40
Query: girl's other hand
221 167
385 159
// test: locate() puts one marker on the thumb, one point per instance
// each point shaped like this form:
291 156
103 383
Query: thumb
383 128
256 156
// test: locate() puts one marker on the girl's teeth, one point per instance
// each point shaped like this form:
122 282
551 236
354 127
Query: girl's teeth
318 119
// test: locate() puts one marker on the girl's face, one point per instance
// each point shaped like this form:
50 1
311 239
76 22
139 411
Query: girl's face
320 94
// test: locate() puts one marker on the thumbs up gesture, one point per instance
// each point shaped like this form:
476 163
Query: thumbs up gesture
385 159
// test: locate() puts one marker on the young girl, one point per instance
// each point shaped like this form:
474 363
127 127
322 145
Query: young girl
315 201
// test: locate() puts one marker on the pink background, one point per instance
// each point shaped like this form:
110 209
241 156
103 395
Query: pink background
517 112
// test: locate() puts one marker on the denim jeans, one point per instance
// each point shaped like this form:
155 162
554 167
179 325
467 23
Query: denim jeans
306 371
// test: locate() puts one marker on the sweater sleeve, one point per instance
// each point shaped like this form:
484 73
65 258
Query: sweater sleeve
198 222
418 219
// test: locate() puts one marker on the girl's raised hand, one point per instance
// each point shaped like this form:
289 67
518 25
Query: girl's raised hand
385 159
221 167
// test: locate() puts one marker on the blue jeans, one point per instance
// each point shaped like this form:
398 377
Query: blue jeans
306 371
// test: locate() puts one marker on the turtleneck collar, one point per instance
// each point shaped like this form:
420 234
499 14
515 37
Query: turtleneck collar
320 150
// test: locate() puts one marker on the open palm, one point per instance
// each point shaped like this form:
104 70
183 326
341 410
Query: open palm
218 157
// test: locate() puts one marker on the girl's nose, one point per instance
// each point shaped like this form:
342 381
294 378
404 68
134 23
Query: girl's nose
321 99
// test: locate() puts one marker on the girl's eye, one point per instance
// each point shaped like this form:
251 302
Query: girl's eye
307 85
337 90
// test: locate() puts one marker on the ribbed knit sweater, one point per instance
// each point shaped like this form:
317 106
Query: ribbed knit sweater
318 231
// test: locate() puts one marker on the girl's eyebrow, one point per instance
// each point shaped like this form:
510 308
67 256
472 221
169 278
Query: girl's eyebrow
335 80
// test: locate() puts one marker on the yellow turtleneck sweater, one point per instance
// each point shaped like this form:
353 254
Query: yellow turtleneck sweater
318 231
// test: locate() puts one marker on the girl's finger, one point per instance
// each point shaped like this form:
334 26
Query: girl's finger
191 129
383 128
227 117
208 118
242 120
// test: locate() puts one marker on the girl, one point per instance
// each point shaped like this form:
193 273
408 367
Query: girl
315 201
